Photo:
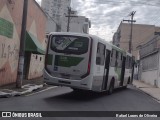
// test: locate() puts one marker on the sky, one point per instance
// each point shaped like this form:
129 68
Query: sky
106 15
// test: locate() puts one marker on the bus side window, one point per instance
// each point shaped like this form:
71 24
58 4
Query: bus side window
113 58
119 59
127 62
98 60
130 62
111 53
116 61
100 54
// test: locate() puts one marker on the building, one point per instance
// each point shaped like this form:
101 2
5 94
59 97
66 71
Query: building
79 24
11 12
10 32
55 10
35 43
149 67
141 33
52 25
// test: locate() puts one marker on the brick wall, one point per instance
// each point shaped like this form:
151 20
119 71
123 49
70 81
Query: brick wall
36 23
141 34
10 30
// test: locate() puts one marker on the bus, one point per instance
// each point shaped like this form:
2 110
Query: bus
86 62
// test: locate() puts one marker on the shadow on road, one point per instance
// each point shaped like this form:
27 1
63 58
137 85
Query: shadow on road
83 95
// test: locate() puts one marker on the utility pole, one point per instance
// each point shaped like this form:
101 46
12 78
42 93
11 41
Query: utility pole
69 18
22 45
132 21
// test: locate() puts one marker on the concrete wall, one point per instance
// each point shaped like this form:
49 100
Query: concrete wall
149 76
36 66
158 74
36 25
10 30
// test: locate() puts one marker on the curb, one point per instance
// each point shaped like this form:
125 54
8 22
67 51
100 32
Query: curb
146 93
11 93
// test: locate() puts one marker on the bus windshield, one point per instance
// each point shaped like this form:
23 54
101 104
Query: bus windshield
69 44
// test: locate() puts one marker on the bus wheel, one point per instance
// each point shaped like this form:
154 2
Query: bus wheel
111 88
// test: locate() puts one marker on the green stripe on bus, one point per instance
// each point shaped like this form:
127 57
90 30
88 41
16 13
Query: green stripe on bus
67 61
118 71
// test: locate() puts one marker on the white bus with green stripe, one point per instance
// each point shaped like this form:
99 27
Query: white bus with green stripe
86 62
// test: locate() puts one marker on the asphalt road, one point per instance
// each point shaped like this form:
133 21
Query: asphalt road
64 99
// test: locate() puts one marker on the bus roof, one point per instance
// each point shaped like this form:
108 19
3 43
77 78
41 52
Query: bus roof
69 33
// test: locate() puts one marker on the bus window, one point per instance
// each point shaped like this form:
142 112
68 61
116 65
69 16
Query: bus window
130 62
126 63
121 56
116 54
69 44
100 54
119 60
113 58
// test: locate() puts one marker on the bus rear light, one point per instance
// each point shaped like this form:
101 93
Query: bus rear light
89 62
89 67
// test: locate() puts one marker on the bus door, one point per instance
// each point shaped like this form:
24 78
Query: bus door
122 71
132 67
106 70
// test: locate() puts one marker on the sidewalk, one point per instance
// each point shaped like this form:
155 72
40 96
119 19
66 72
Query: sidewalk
148 89
27 87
